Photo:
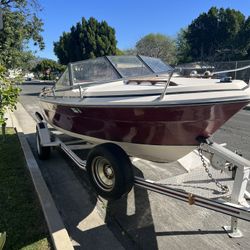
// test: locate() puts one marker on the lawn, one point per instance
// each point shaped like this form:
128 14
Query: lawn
21 216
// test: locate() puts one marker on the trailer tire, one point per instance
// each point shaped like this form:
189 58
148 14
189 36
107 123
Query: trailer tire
110 171
43 152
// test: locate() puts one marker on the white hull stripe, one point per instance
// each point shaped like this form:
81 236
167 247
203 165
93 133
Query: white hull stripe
158 153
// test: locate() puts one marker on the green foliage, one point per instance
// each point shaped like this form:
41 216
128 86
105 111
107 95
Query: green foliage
157 45
119 52
243 41
21 25
9 93
48 69
215 35
182 47
88 39
131 51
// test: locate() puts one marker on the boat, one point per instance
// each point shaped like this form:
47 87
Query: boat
140 104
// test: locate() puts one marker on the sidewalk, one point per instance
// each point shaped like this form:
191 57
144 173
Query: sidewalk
58 233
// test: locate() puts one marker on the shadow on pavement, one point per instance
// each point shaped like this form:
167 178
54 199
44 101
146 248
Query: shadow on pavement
86 230
38 83
129 218
32 94
74 200
134 216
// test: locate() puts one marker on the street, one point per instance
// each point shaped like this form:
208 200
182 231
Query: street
142 219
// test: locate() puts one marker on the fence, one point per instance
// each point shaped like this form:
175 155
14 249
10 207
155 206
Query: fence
201 67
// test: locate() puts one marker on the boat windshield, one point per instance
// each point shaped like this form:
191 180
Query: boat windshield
93 70
129 66
64 79
111 68
157 65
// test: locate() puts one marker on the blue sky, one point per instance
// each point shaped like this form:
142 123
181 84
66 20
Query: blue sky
132 19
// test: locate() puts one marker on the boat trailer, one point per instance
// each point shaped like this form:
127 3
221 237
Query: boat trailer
234 204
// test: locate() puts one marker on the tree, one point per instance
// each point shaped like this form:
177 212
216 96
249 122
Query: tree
21 25
157 45
48 69
212 34
182 47
8 96
243 41
87 39
119 52
131 51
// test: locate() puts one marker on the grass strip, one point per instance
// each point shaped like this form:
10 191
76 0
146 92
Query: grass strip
21 216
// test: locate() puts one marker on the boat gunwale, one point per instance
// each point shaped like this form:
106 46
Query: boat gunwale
150 105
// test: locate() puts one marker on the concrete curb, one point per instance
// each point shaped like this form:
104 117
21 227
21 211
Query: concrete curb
58 232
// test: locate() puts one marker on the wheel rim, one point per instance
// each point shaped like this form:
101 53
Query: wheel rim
103 173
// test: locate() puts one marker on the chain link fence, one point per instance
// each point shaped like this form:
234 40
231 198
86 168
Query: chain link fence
202 67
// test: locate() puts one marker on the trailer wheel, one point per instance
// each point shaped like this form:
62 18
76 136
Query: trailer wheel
110 171
43 152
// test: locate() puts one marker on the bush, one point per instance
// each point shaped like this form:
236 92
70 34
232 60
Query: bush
9 93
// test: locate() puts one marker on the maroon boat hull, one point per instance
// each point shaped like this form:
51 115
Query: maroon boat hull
172 125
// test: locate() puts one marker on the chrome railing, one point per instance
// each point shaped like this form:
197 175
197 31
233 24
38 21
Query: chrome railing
212 74
82 86
230 70
167 84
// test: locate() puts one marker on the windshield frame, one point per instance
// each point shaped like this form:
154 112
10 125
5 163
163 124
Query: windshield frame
116 70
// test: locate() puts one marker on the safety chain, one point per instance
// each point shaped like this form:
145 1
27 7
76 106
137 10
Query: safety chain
224 188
